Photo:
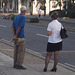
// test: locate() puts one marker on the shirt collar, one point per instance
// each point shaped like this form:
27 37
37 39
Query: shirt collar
55 20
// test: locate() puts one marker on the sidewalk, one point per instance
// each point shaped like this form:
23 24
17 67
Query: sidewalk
34 63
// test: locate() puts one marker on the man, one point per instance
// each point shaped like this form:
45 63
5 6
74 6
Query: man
19 41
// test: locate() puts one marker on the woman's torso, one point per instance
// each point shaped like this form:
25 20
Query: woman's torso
55 28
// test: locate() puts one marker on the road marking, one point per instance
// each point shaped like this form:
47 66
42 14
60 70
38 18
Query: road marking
69 65
42 35
3 26
37 26
67 51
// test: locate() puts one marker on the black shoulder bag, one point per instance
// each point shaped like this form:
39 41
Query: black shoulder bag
63 33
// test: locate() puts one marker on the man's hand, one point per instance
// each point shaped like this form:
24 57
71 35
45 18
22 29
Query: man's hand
14 38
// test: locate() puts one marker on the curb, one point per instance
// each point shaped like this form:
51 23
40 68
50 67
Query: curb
66 18
38 55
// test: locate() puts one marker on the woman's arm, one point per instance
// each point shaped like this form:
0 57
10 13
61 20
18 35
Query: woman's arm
49 33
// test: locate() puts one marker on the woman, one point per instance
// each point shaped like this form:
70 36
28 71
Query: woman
54 42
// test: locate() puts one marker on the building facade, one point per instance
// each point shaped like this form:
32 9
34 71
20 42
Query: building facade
13 5
50 5
32 7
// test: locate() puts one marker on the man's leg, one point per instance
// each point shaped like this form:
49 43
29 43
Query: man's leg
19 57
21 53
15 52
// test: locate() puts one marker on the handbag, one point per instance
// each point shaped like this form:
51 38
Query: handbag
63 33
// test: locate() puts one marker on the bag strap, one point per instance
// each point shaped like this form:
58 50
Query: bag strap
62 27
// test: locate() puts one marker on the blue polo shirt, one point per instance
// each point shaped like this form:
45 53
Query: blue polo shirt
19 21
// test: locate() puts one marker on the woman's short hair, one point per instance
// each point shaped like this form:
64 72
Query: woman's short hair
54 15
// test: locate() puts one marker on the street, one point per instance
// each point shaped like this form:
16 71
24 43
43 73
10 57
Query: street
36 40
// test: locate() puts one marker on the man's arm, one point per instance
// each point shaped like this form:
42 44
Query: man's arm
16 33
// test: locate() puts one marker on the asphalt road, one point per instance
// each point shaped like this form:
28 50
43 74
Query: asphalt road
36 40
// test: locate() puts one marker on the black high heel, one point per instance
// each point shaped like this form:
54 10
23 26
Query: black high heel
53 69
45 69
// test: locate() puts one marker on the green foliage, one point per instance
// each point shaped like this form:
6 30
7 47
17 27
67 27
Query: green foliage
12 17
62 13
71 5
5 1
34 20
71 9
41 1
71 13
42 4
43 8
32 0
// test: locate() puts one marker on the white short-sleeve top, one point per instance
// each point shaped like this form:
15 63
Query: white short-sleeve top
54 27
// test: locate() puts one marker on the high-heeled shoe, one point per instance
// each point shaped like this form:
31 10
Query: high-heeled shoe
45 69
53 69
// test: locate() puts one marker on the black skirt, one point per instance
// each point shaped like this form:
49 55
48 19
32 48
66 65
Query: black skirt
52 47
